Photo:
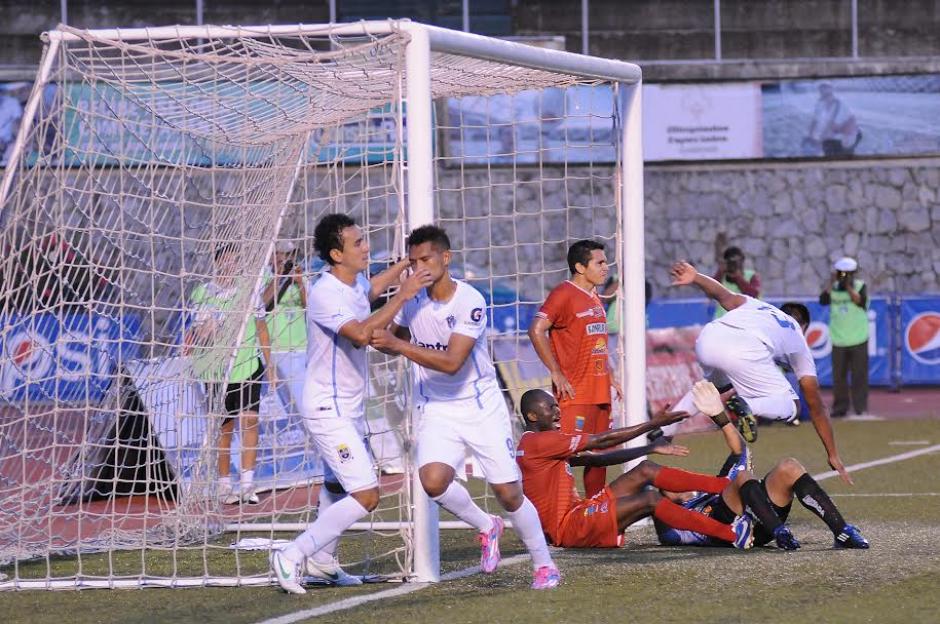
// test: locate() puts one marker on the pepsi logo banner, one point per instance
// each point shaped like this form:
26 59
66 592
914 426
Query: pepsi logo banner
67 357
920 340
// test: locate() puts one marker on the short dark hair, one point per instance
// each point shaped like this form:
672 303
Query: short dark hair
580 253
731 252
798 311
531 399
328 235
225 248
429 234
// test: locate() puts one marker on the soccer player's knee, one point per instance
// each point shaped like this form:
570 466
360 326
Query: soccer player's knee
434 485
509 495
369 499
249 420
651 498
648 470
790 467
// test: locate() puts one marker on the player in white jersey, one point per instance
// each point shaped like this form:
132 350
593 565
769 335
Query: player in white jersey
459 405
339 326
745 348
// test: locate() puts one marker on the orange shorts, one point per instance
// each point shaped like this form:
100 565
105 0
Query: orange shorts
592 523
585 418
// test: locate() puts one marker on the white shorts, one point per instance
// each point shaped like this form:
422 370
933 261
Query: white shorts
734 355
347 460
446 430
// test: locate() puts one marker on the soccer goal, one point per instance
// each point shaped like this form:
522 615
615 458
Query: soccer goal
154 166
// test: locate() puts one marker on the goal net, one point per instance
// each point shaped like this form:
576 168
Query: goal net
157 224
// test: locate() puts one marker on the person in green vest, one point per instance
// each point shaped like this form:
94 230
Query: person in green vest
847 298
733 276
217 307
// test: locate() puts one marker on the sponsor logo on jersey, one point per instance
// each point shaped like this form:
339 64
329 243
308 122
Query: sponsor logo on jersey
436 346
922 338
817 337
476 314
600 347
344 453
451 321
575 441
596 311
593 329
579 423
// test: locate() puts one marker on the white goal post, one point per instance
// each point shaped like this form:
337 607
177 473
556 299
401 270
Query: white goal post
147 154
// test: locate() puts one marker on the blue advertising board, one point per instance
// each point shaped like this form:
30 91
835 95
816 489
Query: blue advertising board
63 357
920 340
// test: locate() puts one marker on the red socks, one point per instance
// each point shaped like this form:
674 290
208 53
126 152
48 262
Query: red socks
677 480
679 517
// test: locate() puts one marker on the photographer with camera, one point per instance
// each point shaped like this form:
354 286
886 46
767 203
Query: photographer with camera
847 298
733 276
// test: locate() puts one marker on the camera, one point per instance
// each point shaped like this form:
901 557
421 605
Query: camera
842 276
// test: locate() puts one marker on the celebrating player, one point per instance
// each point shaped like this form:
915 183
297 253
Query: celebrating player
744 347
459 404
569 334
769 500
545 455
339 327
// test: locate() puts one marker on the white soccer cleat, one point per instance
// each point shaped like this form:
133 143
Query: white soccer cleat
227 495
331 572
285 571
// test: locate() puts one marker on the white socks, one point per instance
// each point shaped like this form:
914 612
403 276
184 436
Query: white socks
456 499
328 526
327 498
525 522
247 480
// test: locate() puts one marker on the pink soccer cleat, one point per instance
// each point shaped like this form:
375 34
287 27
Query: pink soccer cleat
489 546
546 577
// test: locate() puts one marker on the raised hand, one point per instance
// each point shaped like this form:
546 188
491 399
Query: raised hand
682 273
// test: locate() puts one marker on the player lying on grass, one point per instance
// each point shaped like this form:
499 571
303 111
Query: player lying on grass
769 500
545 456
743 349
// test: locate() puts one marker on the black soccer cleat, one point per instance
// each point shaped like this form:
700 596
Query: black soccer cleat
743 417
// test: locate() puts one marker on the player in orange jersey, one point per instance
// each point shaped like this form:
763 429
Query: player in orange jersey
569 334
545 456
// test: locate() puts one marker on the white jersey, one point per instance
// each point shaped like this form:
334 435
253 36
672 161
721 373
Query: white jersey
431 324
776 329
335 382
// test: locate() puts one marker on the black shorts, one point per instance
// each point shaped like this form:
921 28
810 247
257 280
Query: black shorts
243 396
722 513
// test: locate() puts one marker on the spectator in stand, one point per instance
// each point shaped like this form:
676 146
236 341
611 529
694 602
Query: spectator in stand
847 298
733 276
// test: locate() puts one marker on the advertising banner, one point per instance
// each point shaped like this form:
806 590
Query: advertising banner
69 357
920 340
702 121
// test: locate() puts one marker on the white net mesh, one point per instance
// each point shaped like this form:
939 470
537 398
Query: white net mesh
153 186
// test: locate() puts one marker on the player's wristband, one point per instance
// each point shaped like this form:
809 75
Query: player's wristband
720 419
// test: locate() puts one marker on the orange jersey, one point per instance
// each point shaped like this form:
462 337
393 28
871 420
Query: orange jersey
546 476
578 336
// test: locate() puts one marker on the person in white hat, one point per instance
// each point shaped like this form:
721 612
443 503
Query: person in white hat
847 298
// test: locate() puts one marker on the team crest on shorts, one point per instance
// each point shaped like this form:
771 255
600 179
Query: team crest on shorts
579 423
451 321
344 453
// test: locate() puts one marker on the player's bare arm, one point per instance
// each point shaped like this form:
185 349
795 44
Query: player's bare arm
538 334
360 332
380 283
264 341
615 437
614 458
809 387
448 361
684 274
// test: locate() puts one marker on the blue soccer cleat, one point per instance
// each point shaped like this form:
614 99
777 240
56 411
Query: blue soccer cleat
743 528
851 537
743 417
785 539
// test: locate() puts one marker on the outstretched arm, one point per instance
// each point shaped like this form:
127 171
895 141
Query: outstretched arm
684 274
613 458
615 437
809 386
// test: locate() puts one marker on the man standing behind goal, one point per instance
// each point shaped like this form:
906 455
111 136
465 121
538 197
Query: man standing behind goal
459 405
338 330
575 349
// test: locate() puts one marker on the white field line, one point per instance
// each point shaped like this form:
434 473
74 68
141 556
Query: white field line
885 495
880 462
407 588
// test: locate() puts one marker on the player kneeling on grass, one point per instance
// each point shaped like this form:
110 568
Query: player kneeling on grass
545 455
769 500
459 405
